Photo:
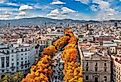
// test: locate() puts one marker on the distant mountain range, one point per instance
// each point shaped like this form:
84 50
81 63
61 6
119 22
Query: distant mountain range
42 21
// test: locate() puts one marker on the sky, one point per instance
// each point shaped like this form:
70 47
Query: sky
61 9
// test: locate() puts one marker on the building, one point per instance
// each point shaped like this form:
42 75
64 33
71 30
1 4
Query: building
111 45
116 68
16 57
118 50
103 38
97 67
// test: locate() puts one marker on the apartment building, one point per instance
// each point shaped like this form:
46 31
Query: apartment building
16 57
116 68
97 67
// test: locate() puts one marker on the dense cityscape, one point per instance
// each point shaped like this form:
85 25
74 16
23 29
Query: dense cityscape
60 40
82 52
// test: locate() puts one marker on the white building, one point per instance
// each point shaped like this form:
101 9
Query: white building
16 57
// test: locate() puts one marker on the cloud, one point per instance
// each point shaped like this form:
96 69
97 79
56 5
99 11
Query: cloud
2 1
105 10
94 8
74 15
29 15
9 9
61 13
66 10
7 12
43 7
12 4
111 12
83 1
5 15
54 13
25 7
102 4
18 17
107 14
22 13
57 2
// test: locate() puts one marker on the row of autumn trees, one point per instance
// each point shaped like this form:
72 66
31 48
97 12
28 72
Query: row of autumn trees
42 71
72 69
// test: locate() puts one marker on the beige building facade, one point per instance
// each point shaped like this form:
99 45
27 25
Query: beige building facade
97 67
116 62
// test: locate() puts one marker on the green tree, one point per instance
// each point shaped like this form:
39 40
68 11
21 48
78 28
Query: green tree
18 76
6 78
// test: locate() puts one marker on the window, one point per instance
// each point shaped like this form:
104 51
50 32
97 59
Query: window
12 69
12 59
96 68
25 62
105 78
25 53
22 67
87 64
25 49
12 51
7 52
3 51
21 49
22 63
2 61
87 78
12 45
21 58
119 52
104 64
96 79
86 68
26 66
17 63
12 64
21 54
2 70
96 64
105 69
7 61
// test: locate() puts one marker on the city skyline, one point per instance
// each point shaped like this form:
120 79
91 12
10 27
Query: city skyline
65 51
61 9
